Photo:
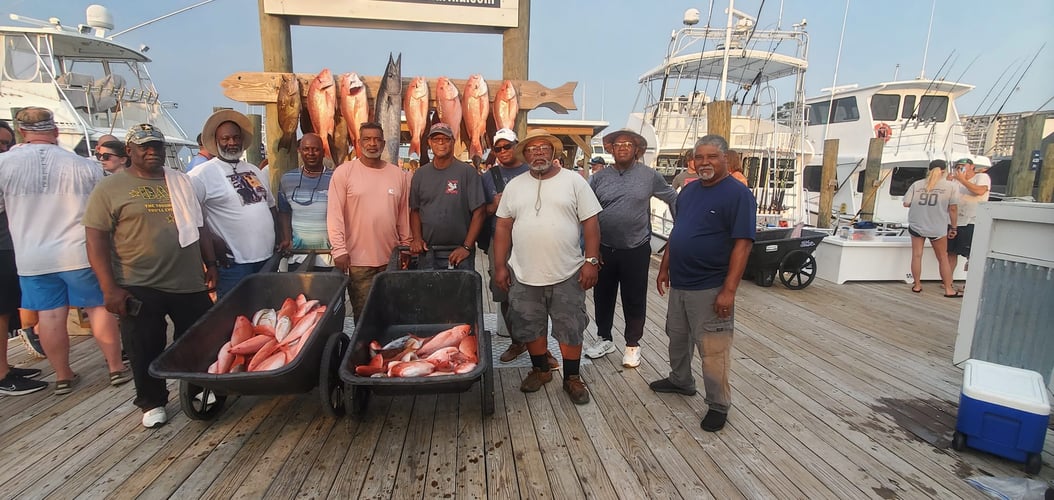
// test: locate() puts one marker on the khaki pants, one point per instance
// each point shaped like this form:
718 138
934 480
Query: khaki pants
360 279
691 322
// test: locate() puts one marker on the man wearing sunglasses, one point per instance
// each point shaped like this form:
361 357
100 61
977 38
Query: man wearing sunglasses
625 191
302 200
509 166
44 190
446 206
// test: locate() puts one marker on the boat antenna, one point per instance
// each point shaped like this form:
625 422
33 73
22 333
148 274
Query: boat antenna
837 61
926 51
170 14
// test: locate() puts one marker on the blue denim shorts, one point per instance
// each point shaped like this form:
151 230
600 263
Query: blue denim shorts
44 292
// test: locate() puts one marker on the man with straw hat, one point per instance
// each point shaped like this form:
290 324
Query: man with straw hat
44 190
236 200
625 191
540 218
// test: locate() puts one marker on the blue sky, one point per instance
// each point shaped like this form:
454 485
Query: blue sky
603 45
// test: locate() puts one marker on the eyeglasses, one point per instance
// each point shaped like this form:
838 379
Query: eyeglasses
622 144
544 148
504 148
107 156
439 139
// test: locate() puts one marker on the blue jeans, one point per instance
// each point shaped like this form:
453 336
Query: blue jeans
231 275
439 259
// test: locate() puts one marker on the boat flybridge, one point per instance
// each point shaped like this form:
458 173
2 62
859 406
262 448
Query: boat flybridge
93 84
919 123
762 72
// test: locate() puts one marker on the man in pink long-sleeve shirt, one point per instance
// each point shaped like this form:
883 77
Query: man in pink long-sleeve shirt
368 214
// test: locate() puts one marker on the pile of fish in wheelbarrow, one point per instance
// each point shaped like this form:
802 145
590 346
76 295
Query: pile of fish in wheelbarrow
203 393
443 313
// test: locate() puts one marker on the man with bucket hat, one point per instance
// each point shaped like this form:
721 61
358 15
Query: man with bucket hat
143 226
540 219
236 200
44 190
625 191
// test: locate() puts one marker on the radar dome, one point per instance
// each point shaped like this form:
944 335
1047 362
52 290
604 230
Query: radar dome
691 17
99 17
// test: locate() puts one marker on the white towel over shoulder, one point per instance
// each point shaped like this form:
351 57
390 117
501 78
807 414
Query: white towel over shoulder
186 210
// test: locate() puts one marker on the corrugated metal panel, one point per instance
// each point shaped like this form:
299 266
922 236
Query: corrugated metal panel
1015 320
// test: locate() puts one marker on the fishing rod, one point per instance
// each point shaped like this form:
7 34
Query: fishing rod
1023 73
999 94
991 88
918 104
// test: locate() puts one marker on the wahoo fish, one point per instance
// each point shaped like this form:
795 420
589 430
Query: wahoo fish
416 109
388 108
448 105
476 106
321 105
288 110
506 106
353 106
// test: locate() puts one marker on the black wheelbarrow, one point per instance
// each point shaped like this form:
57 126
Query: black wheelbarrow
777 253
422 303
204 394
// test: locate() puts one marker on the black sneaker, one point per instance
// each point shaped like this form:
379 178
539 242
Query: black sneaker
664 385
32 342
18 386
713 421
24 372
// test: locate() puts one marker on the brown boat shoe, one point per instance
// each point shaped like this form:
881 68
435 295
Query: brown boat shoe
576 389
536 379
514 351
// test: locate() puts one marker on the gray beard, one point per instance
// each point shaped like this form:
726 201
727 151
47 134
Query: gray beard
228 157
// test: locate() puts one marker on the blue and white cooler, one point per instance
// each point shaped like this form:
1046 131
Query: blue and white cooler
1003 410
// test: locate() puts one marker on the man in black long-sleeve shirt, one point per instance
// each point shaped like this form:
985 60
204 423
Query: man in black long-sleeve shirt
625 193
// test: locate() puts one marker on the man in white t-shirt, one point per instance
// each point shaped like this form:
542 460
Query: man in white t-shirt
540 217
236 200
973 190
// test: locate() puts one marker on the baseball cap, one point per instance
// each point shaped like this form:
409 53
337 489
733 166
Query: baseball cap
964 161
35 119
597 160
441 128
144 133
505 134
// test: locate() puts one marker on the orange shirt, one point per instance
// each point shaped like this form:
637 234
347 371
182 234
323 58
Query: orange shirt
740 177
368 213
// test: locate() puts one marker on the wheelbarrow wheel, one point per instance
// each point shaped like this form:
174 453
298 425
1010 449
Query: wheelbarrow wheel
1033 464
358 400
200 403
330 387
797 269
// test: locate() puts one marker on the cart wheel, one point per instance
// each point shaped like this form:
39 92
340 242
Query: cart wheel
358 400
958 441
764 277
1033 464
330 387
200 403
797 269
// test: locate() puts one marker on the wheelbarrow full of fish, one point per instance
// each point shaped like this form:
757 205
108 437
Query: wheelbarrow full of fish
421 332
200 360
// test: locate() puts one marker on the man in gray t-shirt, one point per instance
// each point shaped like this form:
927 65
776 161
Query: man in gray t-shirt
446 206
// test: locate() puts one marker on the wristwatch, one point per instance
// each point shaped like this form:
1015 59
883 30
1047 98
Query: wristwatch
593 260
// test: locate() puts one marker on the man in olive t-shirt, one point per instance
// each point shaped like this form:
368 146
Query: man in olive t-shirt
148 258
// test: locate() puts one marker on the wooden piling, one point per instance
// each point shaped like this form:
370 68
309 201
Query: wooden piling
514 44
828 183
1046 176
871 170
252 149
277 48
719 119
1021 178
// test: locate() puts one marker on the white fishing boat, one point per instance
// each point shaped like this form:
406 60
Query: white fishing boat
918 121
93 84
762 72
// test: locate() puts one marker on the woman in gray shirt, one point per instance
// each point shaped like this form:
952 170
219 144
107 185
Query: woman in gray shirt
932 213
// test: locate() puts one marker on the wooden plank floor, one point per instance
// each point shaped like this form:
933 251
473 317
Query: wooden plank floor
840 391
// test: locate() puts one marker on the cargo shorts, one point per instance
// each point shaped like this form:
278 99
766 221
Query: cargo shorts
531 307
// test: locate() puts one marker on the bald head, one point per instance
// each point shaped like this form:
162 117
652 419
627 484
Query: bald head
311 152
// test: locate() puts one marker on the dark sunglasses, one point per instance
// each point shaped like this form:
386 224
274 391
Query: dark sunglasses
504 148
107 156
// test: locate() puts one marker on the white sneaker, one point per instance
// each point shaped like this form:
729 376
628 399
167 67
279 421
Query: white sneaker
631 357
599 349
155 417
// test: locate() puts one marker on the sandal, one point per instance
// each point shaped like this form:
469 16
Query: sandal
120 377
63 387
956 295
919 290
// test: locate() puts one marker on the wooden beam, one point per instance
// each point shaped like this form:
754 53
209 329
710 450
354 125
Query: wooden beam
277 48
1021 178
828 183
1046 176
262 88
515 51
719 119
871 171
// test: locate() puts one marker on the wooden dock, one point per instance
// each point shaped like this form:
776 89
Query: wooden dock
840 391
